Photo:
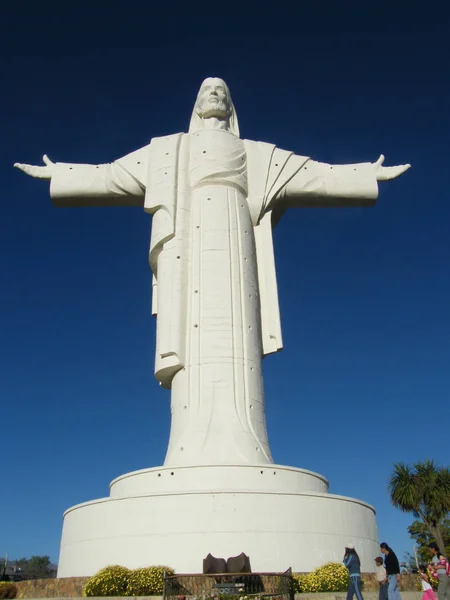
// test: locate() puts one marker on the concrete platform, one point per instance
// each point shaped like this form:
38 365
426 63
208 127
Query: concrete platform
279 516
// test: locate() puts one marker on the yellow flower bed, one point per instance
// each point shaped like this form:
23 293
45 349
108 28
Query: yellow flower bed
120 581
147 581
332 577
110 581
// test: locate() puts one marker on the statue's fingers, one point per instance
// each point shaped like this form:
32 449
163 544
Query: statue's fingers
394 172
40 172
32 171
380 161
401 169
47 161
22 167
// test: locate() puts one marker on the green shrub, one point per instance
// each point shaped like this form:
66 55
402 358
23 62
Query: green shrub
7 589
332 577
147 581
110 581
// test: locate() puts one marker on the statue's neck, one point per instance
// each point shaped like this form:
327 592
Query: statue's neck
215 123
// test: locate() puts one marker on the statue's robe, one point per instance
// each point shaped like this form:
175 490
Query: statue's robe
217 409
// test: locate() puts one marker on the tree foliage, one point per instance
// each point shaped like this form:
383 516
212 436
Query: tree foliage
423 490
36 567
422 537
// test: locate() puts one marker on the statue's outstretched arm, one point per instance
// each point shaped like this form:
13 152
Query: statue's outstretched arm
322 185
121 183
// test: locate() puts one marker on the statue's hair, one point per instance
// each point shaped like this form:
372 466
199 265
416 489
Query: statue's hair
197 124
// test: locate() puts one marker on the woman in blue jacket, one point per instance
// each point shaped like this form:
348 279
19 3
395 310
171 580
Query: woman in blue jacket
353 564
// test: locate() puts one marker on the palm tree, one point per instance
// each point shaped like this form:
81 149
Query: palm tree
424 490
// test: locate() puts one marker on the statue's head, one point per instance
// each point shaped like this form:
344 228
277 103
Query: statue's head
214 101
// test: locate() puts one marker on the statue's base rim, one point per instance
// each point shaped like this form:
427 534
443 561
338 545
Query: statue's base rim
276 526
217 478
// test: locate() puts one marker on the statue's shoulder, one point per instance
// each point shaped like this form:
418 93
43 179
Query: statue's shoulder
278 167
166 139
136 163
165 146
263 148
270 151
267 156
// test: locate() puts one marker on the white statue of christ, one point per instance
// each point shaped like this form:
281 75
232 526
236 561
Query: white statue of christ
214 199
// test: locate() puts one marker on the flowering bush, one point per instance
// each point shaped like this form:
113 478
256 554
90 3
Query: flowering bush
110 581
120 581
332 577
147 581
8 589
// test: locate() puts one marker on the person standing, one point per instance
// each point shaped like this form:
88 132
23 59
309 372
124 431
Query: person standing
353 564
382 579
393 571
439 566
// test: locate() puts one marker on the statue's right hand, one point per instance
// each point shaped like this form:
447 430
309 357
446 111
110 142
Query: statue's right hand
38 172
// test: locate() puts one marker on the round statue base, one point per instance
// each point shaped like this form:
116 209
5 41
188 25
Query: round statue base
279 516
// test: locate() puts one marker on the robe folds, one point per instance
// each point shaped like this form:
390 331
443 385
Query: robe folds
167 196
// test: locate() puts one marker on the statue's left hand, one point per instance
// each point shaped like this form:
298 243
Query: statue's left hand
38 172
386 173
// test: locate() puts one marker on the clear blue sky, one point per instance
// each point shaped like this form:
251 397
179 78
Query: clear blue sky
364 293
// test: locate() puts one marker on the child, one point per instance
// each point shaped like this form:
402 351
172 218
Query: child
382 579
428 593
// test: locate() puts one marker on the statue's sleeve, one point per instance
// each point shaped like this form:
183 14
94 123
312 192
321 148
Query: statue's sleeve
318 185
121 183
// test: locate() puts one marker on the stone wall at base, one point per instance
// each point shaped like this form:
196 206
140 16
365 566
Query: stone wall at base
407 582
72 587
67 587
318 596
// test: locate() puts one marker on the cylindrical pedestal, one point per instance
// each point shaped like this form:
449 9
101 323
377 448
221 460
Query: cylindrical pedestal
279 516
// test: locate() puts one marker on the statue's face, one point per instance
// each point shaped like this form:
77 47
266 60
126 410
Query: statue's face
213 100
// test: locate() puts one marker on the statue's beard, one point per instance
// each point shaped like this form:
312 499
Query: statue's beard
217 110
